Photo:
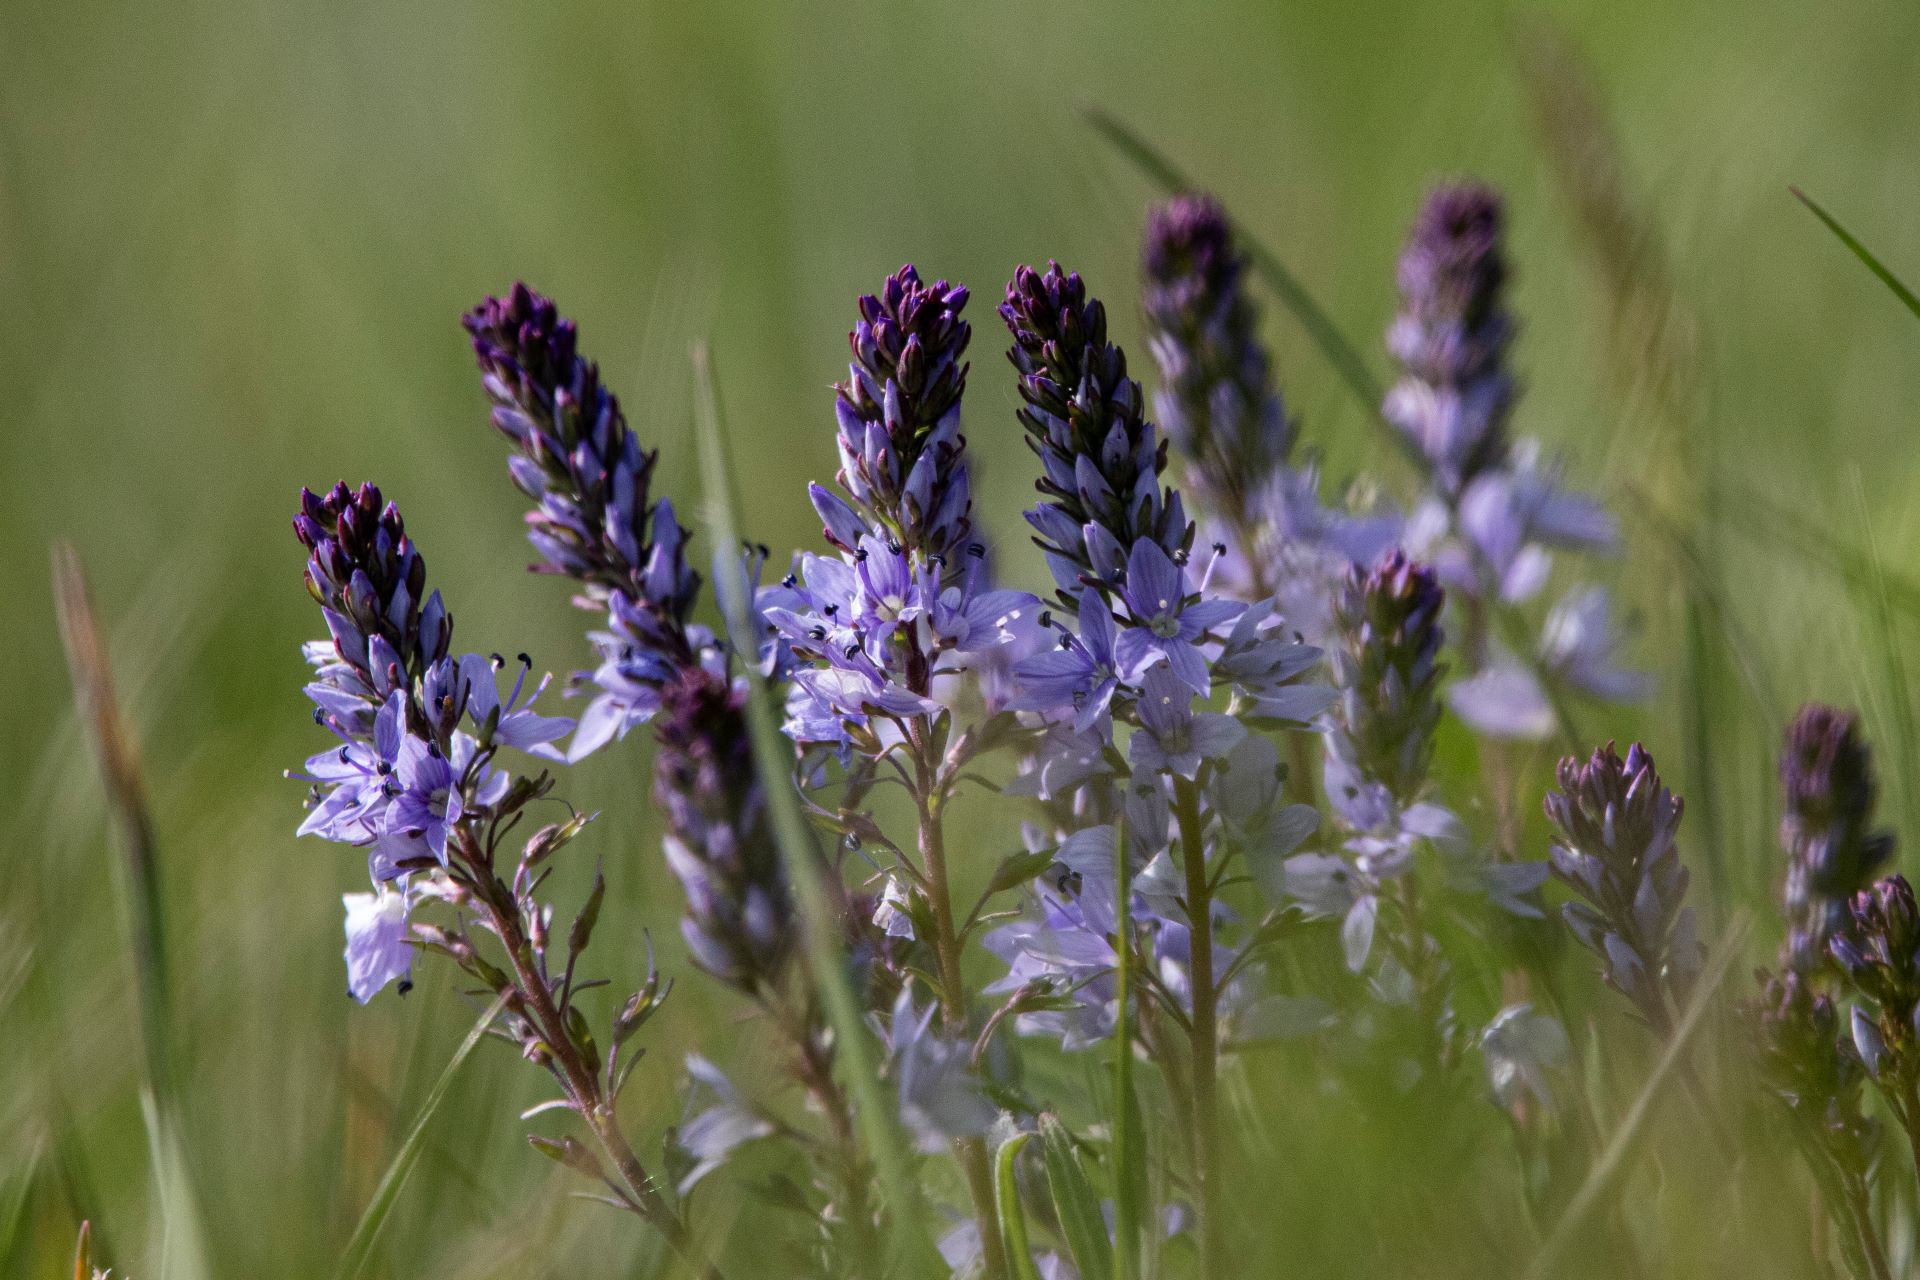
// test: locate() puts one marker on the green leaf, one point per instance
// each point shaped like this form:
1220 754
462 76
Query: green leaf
1013 1222
1861 252
1018 868
353 1260
1075 1202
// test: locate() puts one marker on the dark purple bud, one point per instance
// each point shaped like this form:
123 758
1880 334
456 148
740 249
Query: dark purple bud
363 570
594 518
718 842
1387 667
1826 772
1616 826
1100 457
1451 336
901 452
1216 400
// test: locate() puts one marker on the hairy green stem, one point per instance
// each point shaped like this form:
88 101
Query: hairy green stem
580 1078
970 1152
1203 1035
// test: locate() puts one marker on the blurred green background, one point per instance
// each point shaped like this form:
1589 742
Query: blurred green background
235 242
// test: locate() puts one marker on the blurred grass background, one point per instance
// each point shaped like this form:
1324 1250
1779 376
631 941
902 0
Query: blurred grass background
235 241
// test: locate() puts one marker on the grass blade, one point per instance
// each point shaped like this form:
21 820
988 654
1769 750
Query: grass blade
182 1245
1345 358
119 766
1075 1203
911 1244
1860 251
354 1258
1013 1222
1600 1178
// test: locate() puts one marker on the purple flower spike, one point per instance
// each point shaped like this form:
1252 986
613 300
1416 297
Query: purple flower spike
1216 401
1451 336
901 452
1879 953
1101 459
718 842
1387 667
1617 826
594 519
370 584
1826 772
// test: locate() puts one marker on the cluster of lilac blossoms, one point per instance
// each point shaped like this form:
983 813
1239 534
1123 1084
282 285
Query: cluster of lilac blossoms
871 635
1493 509
418 727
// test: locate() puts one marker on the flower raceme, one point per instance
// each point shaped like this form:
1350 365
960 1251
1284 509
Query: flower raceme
901 463
1617 826
595 519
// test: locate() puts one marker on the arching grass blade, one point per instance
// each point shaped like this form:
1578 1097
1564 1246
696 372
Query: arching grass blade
353 1259
1860 251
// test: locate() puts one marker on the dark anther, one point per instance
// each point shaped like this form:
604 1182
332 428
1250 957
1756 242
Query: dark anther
762 548
831 609
817 633
976 549
1180 556
319 717
861 555
1219 548
498 661
893 548
788 582
853 649
1046 617
526 661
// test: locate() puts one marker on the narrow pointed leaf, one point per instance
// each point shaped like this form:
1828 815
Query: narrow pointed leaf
1013 1222
353 1260
1075 1203
1861 252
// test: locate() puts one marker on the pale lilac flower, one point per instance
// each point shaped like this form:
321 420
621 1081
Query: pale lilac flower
1172 738
1580 644
377 951
715 1132
1164 621
1524 1050
893 914
1081 675
437 788
940 1098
